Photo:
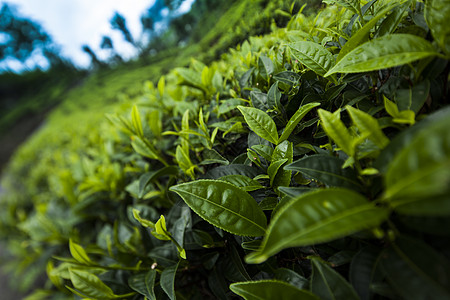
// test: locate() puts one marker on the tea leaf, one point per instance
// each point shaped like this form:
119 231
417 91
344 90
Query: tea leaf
78 253
326 169
384 52
167 281
243 182
223 205
260 123
136 121
144 284
90 285
270 289
143 147
317 217
313 56
337 131
296 118
436 16
368 126
328 284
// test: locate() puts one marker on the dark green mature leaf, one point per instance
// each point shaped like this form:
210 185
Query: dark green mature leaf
274 167
90 285
415 270
144 284
384 52
362 271
317 217
328 284
224 205
259 100
167 280
283 151
270 289
436 16
313 55
260 123
245 183
292 278
296 118
274 96
414 97
326 169
234 169
419 175
266 66
390 24
362 35
148 177
288 77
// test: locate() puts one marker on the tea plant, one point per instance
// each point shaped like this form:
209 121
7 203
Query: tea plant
310 163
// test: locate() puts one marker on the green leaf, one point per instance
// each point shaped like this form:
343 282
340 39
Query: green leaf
368 126
144 284
292 278
384 52
418 177
243 182
270 289
295 119
136 121
390 24
326 169
313 55
317 217
78 253
362 270
167 281
337 131
155 123
362 35
260 123
353 5
266 66
229 105
274 167
283 152
415 270
402 117
233 169
90 285
329 284
160 231
274 96
143 147
224 205
436 16
142 221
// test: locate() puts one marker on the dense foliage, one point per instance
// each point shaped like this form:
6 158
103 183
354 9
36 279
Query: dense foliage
309 163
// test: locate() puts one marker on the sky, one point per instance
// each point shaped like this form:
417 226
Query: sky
73 23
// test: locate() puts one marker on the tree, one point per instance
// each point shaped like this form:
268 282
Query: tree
96 63
118 22
107 44
22 37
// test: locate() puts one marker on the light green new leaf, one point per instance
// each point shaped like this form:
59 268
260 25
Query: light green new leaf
384 52
329 284
368 126
353 5
167 280
160 231
143 147
270 289
402 117
362 35
90 285
295 119
337 131
136 121
155 123
261 123
415 270
243 182
326 169
437 13
418 178
78 253
144 284
224 205
317 217
313 55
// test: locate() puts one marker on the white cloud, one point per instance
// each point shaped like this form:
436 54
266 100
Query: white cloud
76 22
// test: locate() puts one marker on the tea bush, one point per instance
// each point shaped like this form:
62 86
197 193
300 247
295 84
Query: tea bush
309 163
